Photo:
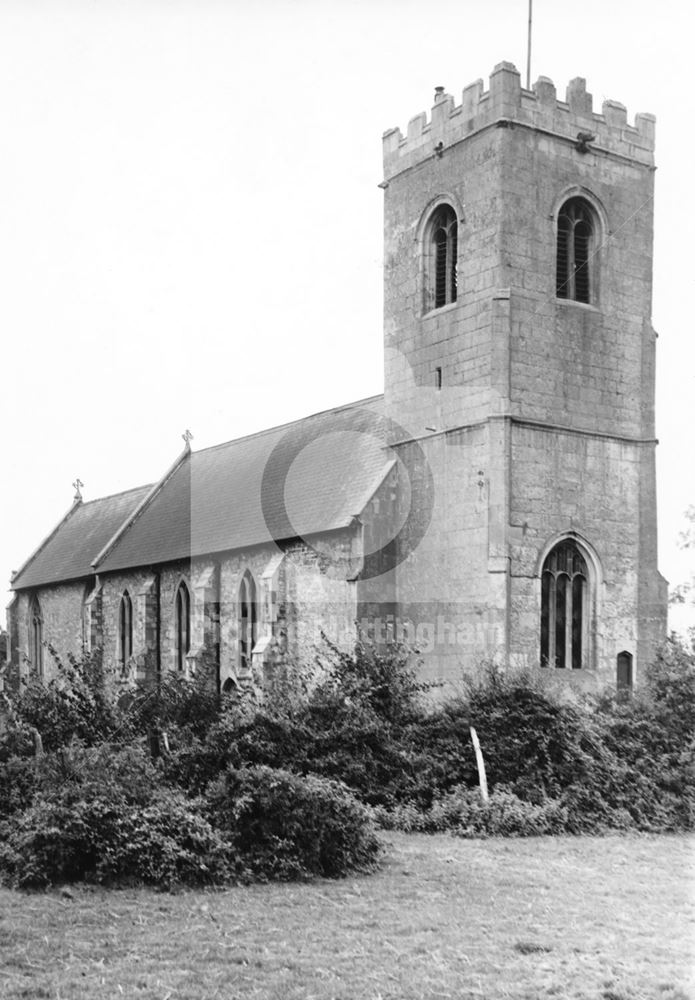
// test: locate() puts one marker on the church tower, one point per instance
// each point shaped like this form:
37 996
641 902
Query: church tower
519 376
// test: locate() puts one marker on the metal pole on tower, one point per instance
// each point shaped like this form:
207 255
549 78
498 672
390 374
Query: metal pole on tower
528 50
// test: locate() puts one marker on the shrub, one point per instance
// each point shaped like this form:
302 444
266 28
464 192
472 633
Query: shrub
104 817
345 741
240 737
584 766
464 813
177 703
285 826
348 742
530 739
443 756
383 681
18 782
505 815
78 702
671 686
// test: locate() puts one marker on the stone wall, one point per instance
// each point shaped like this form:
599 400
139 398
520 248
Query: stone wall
305 591
552 400
63 625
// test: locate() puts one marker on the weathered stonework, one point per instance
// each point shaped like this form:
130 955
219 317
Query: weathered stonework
543 427
302 597
512 420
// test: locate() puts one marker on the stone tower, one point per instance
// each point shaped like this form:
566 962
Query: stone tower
519 374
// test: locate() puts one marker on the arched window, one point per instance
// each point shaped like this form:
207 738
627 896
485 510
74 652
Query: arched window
182 625
247 620
564 607
36 636
442 255
125 630
576 246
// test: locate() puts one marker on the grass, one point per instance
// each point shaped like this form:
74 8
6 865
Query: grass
610 918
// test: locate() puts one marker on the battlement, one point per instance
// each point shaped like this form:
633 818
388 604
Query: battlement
539 108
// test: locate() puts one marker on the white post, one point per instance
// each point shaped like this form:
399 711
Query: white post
482 778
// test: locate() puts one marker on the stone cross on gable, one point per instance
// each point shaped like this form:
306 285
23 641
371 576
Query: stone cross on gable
187 437
78 484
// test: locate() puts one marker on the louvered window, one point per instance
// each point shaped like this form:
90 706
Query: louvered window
564 600
443 254
575 249
247 620
182 622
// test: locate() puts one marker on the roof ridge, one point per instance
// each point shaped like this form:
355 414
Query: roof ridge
289 423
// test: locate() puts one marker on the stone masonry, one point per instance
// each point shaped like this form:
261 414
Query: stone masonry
515 420
543 423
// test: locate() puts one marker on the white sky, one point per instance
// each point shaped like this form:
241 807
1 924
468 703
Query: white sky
191 228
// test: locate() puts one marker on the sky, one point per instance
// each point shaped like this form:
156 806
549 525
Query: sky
191 224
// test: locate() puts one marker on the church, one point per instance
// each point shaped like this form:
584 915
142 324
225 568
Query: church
496 504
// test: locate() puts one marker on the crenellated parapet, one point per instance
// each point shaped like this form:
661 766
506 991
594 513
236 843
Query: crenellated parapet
506 102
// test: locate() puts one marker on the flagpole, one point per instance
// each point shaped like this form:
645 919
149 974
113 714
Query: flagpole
528 51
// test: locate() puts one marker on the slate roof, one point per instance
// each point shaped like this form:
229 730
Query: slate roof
328 463
67 553
324 467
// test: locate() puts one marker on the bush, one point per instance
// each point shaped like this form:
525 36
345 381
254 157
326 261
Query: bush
177 703
77 703
103 816
531 740
382 681
241 736
287 826
109 814
605 763
18 782
671 687
463 812
505 815
338 739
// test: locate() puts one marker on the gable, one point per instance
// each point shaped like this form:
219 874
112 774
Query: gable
308 477
304 478
68 552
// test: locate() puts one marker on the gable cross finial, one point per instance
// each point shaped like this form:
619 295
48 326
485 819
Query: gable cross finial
78 484
187 437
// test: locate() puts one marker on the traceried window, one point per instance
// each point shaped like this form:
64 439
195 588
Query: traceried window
564 607
182 625
442 251
36 636
576 237
247 620
125 630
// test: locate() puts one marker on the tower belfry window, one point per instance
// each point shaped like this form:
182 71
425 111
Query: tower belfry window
575 249
443 252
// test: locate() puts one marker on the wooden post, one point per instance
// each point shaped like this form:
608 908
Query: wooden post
482 778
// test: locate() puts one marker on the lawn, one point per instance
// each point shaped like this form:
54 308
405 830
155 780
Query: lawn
596 917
